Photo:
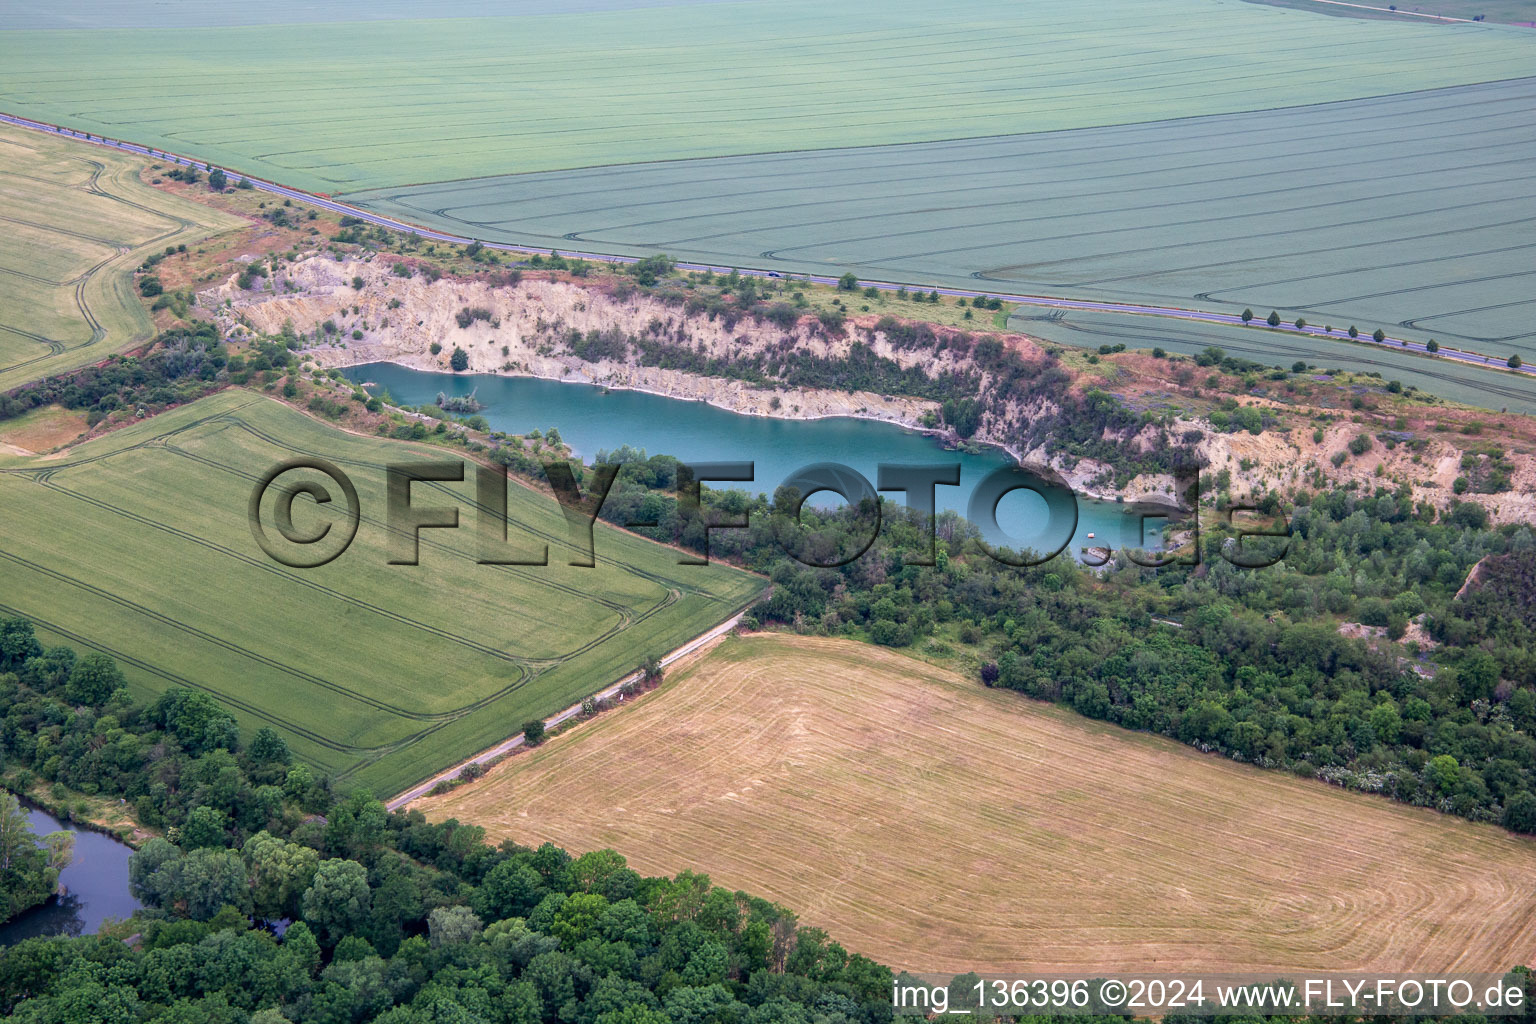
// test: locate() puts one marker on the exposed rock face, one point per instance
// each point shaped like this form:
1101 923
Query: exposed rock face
523 329
525 332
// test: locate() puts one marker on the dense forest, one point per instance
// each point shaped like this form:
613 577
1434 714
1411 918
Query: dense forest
29 864
270 899
393 919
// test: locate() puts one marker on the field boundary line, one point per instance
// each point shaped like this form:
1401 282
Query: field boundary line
1394 10
512 743
326 202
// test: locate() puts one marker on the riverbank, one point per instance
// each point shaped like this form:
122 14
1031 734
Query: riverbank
109 817
93 895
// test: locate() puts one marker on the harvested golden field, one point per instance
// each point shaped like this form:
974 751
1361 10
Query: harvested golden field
939 826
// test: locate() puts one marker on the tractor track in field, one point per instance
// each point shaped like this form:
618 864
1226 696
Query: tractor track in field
529 669
99 332
1175 313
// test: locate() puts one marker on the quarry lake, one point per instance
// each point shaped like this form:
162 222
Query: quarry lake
592 418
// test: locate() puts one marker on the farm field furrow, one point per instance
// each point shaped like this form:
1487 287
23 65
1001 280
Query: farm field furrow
75 222
374 671
349 105
1412 212
196 14
939 826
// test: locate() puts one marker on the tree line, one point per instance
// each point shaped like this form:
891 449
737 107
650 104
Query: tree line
388 917
1250 663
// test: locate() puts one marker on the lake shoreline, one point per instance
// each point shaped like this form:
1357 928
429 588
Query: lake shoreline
946 438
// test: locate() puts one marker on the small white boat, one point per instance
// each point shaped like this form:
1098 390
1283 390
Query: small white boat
1090 536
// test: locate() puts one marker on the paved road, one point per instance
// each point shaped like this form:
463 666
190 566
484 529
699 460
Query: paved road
1491 362
1394 10
506 746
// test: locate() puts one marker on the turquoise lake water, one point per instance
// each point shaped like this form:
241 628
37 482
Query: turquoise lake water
591 419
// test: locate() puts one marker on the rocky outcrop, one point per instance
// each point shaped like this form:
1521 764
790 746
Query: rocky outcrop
524 327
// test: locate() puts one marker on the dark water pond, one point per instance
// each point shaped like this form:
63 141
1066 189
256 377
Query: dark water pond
95 886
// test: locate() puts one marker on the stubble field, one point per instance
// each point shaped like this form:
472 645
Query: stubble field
938 826
138 544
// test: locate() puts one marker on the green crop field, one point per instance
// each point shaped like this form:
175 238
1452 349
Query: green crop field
339 106
1517 12
138 544
1494 388
77 220
1212 153
1412 212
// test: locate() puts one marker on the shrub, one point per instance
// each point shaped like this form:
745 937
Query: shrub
1360 444
459 360
435 347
